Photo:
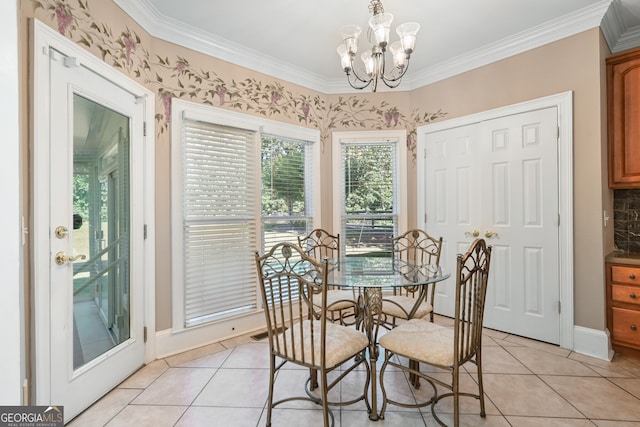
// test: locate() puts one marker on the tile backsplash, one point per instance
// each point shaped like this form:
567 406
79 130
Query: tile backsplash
626 219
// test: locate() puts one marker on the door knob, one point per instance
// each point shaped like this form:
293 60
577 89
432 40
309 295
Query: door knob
474 233
489 234
61 258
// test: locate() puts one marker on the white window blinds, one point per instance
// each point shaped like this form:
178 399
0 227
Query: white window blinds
219 179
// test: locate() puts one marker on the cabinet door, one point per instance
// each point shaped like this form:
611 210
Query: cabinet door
623 86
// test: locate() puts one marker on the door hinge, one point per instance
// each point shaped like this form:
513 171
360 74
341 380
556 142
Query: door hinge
144 128
25 392
144 334
145 231
558 133
559 307
71 62
558 220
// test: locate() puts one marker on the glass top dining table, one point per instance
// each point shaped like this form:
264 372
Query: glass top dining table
381 272
370 278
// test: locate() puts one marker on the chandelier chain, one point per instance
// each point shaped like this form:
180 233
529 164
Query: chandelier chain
375 7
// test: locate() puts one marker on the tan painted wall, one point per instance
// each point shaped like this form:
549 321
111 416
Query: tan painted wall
170 71
572 64
198 64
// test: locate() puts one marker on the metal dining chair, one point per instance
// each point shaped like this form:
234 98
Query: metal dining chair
341 303
417 247
294 294
445 347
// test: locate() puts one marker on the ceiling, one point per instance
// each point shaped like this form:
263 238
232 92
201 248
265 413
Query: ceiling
296 40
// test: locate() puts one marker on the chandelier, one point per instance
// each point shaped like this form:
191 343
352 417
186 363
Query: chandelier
375 63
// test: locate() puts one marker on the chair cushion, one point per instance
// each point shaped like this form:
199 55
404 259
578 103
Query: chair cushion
391 307
421 340
340 299
342 343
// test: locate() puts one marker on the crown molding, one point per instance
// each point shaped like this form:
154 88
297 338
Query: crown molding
618 36
173 31
612 25
168 29
554 30
629 40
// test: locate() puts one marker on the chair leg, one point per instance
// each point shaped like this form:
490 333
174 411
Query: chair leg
272 372
325 401
480 383
383 369
456 396
413 378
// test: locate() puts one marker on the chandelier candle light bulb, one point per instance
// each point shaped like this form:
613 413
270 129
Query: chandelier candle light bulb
374 59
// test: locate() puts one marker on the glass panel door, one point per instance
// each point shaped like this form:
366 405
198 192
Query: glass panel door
90 185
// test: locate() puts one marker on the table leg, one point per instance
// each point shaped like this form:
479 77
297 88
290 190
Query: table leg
374 389
371 308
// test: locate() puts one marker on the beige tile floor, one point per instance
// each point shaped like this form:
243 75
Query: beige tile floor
527 383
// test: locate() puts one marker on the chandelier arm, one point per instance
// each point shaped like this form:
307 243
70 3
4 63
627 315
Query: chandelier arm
353 82
392 84
357 76
389 80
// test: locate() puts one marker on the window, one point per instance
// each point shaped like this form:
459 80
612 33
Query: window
286 178
219 221
368 190
239 184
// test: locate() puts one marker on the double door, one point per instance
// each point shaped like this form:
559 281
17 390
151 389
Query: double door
498 179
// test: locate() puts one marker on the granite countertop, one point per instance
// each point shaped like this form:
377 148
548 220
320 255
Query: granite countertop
622 257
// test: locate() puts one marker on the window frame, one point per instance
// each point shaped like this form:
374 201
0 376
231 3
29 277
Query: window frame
398 138
180 110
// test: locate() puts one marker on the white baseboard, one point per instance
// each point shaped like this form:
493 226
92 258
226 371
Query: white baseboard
592 342
170 342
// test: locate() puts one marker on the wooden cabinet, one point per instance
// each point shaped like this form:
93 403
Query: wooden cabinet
623 307
623 110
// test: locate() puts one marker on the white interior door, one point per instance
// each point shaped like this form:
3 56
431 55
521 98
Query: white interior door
96 235
498 179
453 194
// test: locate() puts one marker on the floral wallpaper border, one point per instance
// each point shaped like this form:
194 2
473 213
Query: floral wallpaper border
175 77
